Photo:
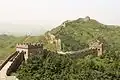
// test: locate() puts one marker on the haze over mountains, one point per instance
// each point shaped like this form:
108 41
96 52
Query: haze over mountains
50 13
22 29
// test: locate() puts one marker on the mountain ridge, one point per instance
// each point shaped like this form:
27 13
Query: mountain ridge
74 34
81 31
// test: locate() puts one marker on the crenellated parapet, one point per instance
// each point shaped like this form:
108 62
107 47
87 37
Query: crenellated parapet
21 45
29 45
30 49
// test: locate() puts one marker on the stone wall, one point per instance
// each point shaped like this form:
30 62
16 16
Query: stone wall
29 49
23 52
97 45
87 18
51 39
8 59
16 62
81 54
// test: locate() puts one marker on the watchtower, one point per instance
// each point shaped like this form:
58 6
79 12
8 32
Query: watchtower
29 49
97 45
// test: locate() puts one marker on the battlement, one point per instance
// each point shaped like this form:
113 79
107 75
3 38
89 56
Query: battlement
29 45
30 49
98 46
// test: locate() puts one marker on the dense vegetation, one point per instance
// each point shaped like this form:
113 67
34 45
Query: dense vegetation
51 66
76 35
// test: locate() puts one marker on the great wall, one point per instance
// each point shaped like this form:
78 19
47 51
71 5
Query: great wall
25 50
22 53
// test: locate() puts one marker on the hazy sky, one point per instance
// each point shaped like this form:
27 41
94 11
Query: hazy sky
50 13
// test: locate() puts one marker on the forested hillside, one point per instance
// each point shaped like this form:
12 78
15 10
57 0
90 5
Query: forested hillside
51 66
75 35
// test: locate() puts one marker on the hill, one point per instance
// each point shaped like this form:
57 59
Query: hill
7 44
76 34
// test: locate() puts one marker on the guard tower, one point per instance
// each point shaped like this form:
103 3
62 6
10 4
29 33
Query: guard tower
29 49
97 45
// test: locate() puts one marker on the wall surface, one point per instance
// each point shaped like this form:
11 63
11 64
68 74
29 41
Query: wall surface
15 63
26 55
